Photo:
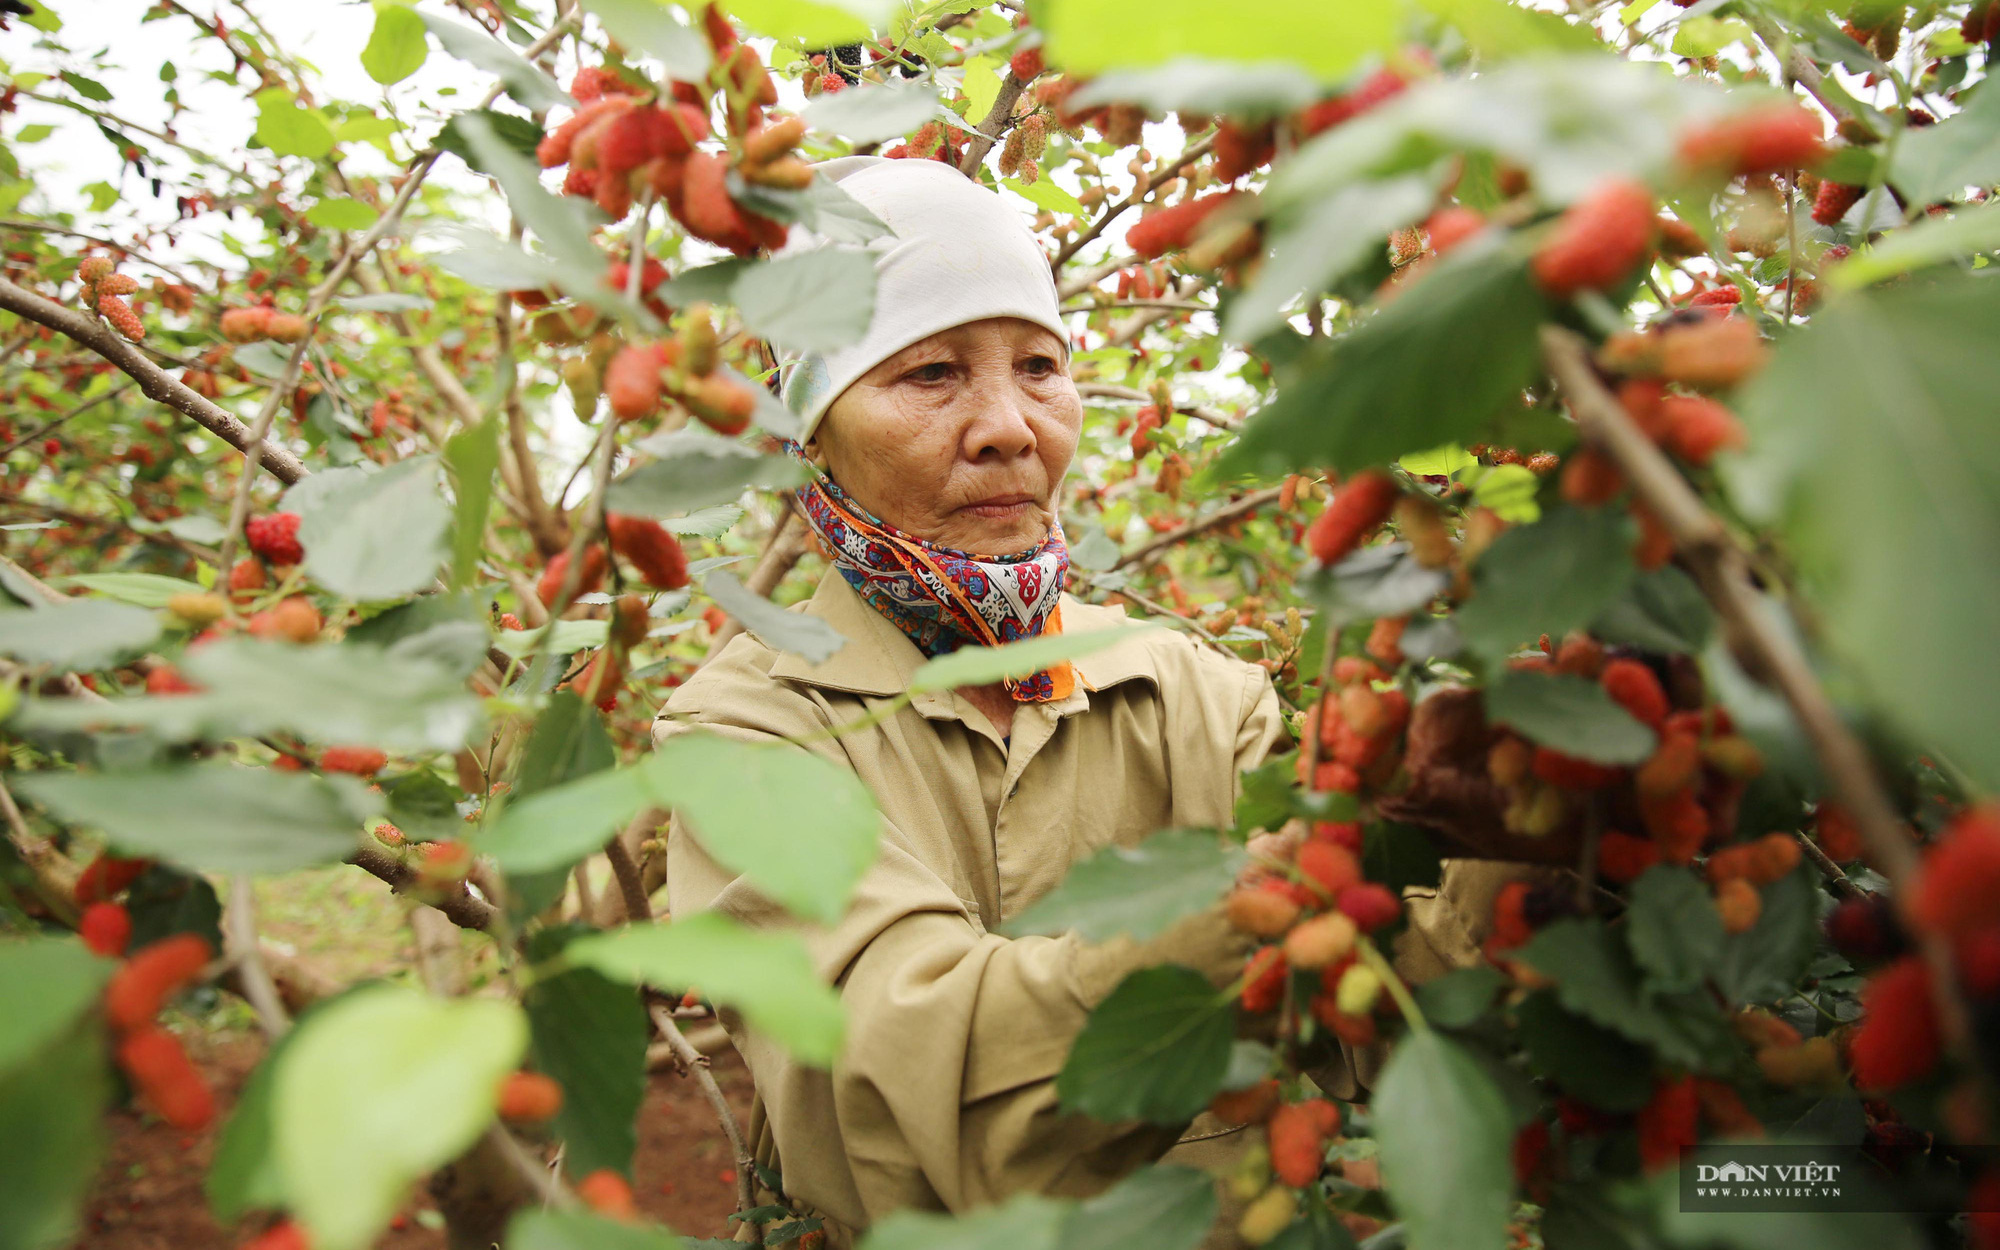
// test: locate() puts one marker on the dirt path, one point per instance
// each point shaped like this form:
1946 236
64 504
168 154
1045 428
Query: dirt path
149 1194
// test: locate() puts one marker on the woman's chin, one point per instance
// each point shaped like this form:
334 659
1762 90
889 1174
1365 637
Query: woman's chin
994 539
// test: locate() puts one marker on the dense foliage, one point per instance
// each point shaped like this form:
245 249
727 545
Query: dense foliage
1583 412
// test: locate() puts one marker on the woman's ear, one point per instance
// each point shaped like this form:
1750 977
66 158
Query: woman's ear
815 454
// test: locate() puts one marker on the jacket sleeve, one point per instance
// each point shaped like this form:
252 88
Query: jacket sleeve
944 1094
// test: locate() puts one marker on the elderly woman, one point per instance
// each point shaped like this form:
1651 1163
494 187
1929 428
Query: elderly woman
938 445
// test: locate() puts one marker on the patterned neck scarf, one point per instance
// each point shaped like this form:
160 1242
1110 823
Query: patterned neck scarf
941 598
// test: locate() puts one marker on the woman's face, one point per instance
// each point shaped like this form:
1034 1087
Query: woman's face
960 439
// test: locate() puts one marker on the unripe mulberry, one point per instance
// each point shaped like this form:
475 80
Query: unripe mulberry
1171 229
246 325
1321 941
1268 1216
602 680
360 761
119 313
1298 1148
1452 225
1633 687
1739 903
1260 912
1369 906
529 1097
1590 478
198 610
1329 868
1598 241
105 928
552 576
295 620
608 1193
1697 427
94 269
1675 765
650 548
275 537
1811 1064
1958 880
632 382
1767 139
1360 505
1424 528
1899 1039
720 403
107 877
1712 354
287 327
144 983
1264 979
1359 987
161 1070
1250 1105
1508 762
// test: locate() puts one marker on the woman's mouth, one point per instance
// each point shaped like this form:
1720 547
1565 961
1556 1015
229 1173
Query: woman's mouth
1000 507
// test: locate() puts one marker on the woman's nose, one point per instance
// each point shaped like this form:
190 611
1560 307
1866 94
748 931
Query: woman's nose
1001 428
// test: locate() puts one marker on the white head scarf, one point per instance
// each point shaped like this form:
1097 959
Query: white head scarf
959 253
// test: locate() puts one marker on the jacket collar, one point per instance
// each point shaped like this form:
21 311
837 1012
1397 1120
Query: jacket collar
879 659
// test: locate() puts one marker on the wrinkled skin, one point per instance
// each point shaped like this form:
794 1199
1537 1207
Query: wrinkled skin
961 439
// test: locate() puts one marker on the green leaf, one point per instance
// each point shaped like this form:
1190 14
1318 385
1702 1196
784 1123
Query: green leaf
981 85
367 129
580 1230
1766 963
1156 1049
1547 578
146 590
569 742
1135 890
976 666
513 133
397 47
1444 1131
1458 998
1398 855
164 901
1311 253
777 627
1450 354
1164 1207
1024 1222
46 984
812 24
871 113
88 88
290 129
697 470
527 84
1044 193
1194 85
1596 978
346 692
1897 522
1376 581
590 1035
1674 929
83 634
472 456
215 817
1327 40
341 213
1496 29
354 1130
1661 610
815 301
397 302
1509 489
245 1174
555 828
379 537
800 829
562 223
1931 241
52 1123
1582 1058
1571 714
767 976
651 28
566 637
1938 162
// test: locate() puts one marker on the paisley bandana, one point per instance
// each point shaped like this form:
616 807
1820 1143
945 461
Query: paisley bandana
941 598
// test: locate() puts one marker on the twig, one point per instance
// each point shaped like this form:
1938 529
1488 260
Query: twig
240 934
638 908
1108 390
1221 516
1798 66
465 911
1160 609
1722 570
1192 153
996 121
79 410
547 1187
1842 884
697 1066
56 886
156 382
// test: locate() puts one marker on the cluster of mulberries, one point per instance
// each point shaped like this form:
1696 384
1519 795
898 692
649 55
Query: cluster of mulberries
932 141
104 293
1024 147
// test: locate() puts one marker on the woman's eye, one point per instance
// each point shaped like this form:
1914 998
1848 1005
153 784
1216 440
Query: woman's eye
936 371
1040 366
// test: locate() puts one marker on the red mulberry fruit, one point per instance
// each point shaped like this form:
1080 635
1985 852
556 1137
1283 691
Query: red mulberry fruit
275 537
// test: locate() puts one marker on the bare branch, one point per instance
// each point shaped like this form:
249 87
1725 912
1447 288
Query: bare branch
1221 516
696 1065
239 935
1192 153
995 123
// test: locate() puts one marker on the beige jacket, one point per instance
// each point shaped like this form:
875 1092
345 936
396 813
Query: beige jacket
944 1097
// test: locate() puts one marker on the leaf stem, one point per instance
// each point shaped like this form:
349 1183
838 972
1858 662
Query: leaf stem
1398 992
